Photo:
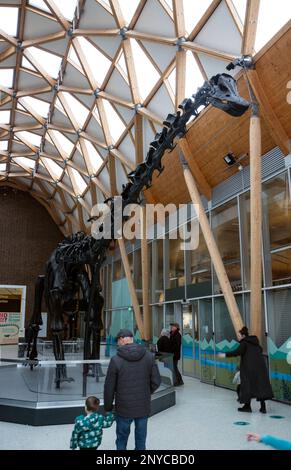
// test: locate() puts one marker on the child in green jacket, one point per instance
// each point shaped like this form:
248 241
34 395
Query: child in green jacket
88 430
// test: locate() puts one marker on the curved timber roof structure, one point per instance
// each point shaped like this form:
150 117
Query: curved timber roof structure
85 85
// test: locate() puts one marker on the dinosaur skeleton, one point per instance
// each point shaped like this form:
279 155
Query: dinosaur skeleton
76 262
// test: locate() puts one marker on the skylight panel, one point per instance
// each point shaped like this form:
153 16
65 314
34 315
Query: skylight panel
194 77
9 20
240 6
172 80
6 77
40 5
147 75
106 4
59 106
5 117
279 12
53 168
79 110
30 137
193 12
2 167
41 107
78 183
19 106
27 65
96 115
3 144
169 3
49 62
121 66
25 162
67 8
63 143
98 63
73 58
116 124
128 9
94 159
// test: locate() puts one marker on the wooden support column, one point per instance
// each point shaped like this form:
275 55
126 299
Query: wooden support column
134 299
212 248
147 317
256 223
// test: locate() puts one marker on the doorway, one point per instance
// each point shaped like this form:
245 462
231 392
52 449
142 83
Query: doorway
190 339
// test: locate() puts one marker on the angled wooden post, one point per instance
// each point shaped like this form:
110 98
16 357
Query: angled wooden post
212 248
256 222
132 291
147 317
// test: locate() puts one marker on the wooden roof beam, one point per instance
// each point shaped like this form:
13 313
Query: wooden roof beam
95 32
43 39
272 122
10 39
201 181
150 37
58 15
250 27
193 46
180 77
40 69
179 18
117 13
138 138
7 53
131 72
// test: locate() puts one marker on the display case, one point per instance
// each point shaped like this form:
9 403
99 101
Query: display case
54 392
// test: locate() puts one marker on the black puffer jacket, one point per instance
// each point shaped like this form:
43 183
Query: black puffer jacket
164 345
254 376
131 378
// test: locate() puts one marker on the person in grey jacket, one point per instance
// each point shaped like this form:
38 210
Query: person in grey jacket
131 378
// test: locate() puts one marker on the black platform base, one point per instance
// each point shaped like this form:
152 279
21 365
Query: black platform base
65 413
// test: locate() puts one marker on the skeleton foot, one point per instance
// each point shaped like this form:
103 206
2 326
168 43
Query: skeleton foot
31 363
64 379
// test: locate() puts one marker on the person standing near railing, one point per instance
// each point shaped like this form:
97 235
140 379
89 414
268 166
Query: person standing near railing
131 378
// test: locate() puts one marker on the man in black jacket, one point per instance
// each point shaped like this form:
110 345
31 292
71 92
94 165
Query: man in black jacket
175 342
131 378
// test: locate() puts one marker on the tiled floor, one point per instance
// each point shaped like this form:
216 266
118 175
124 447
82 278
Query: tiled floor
203 418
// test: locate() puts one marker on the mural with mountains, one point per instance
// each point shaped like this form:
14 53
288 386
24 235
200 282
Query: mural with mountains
280 369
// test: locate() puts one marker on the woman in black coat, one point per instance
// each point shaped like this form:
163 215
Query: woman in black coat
254 376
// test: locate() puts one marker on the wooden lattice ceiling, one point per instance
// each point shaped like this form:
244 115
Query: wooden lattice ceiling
85 85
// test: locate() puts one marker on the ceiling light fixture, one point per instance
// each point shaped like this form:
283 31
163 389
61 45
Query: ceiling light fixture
229 159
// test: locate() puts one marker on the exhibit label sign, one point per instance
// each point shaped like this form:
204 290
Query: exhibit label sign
12 302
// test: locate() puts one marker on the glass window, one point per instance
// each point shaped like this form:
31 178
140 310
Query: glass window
157 271
277 210
225 341
118 272
170 315
200 262
138 275
225 227
158 321
176 264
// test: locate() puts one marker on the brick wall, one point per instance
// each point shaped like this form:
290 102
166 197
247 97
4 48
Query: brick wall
28 235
